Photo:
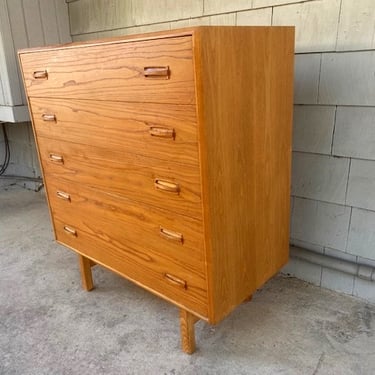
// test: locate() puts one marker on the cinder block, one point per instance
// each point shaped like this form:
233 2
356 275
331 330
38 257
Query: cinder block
306 78
316 23
366 262
97 15
348 78
267 3
256 17
21 153
141 29
338 281
361 187
303 270
19 133
357 25
199 21
228 19
320 223
340 255
313 128
355 132
222 6
364 289
307 245
179 24
361 239
152 11
319 177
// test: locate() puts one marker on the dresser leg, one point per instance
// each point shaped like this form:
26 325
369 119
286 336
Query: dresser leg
86 275
187 321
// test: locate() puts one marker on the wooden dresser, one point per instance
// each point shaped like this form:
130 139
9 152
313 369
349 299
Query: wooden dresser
166 158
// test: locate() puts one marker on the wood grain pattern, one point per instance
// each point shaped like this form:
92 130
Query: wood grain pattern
187 321
125 126
125 174
245 119
114 72
145 267
128 221
86 274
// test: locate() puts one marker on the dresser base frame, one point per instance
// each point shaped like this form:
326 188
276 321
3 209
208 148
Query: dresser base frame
187 319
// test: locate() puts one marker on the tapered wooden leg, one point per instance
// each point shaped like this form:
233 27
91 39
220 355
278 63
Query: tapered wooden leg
187 321
86 275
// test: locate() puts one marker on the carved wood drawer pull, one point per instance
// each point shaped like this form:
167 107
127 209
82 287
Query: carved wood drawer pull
49 117
157 131
56 158
63 195
175 280
171 235
168 186
70 231
156 72
40 74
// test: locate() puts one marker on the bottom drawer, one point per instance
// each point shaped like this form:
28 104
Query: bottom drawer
146 269
125 236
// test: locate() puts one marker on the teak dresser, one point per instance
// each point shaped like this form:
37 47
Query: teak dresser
166 158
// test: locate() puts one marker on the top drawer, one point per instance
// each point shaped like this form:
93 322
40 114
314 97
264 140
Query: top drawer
159 71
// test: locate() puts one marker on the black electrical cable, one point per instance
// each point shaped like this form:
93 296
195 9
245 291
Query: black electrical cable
4 166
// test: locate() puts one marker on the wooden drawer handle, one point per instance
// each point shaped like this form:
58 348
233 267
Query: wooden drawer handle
166 186
40 74
175 280
56 158
63 195
156 131
49 117
70 231
171 235
156 72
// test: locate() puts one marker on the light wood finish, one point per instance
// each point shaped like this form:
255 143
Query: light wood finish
86 275
178 181
130 175
245 149
148 268
127 221
114 72
126 126
187 321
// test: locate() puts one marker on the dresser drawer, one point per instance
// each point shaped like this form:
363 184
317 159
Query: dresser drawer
126 237
158 71
163 184
175 237
161 131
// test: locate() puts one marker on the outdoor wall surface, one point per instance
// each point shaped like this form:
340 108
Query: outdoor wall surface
32 23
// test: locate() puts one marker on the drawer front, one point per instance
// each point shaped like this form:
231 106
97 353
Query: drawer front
126 238
165 184
142 268
161 131
175 237
158 71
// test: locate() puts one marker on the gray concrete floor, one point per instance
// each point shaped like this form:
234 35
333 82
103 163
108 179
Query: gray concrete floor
49 325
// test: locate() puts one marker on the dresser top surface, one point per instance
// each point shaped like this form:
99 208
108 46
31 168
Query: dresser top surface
144 36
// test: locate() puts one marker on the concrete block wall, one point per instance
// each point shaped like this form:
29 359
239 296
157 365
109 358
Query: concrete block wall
33 23
333 182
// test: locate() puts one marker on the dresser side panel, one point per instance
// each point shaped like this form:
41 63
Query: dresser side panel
244 86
